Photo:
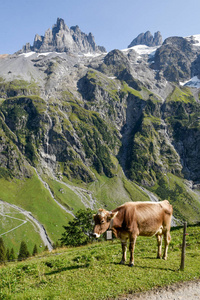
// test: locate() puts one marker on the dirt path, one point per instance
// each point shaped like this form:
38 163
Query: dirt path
40 228
179 291
7 216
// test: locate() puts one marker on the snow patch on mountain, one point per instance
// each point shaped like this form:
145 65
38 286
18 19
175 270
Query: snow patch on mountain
195 39
193 82
27 54
94 54
142 50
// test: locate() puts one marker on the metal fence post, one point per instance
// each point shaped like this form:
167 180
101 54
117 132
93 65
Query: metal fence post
183 247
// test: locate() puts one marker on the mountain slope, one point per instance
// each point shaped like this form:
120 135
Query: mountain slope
84 130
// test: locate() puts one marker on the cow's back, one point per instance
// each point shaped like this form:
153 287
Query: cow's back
146 218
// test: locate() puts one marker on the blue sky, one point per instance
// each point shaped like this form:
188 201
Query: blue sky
114 23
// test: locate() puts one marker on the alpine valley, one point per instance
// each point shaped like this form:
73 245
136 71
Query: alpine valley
80 127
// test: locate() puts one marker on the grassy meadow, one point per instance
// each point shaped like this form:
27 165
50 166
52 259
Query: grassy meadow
93 271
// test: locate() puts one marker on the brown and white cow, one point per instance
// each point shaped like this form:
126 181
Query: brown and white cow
133 219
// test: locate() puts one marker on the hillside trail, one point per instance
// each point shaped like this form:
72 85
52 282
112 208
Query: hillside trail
179 291
39 227
7 216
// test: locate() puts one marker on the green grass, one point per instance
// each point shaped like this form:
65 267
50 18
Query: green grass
15 227
19 87
93 272
185 202
112 192
65 196
135 193
31 195
182 95
128 89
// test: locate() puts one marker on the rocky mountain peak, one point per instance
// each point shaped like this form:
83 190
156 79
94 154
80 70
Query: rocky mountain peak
62 39
60 25
147 39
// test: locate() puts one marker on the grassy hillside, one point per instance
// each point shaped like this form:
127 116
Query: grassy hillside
185 202
15 227
112 192
31 195
93 272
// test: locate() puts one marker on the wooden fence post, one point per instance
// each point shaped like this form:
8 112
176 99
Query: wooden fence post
183 247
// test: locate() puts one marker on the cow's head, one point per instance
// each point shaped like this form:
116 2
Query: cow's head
102 221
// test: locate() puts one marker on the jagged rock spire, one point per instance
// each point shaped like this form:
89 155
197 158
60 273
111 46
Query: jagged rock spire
147 39
63 39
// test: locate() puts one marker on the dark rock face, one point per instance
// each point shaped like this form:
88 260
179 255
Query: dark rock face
147 39
174 59
117 64
186 138
114 63
195 67
63 39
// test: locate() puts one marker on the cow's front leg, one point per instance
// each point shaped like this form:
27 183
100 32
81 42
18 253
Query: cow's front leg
167 238
159 242
124 248
131 249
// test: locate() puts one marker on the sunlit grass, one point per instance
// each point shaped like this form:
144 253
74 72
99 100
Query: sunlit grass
93 272
31 195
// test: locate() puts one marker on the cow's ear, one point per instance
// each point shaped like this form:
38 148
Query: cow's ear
112 215
93 216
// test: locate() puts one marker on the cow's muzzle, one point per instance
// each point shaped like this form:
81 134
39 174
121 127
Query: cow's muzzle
95 235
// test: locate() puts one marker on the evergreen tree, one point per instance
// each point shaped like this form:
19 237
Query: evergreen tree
56 245
2 252
78 230
46 248
12 254
23 251
35 250
8 254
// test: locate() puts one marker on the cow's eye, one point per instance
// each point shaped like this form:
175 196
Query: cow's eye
102 221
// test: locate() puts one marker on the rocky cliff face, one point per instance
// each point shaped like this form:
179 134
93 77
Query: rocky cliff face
147 39
175 58
63 39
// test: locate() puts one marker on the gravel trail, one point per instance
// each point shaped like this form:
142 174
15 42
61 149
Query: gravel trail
40 228
180 291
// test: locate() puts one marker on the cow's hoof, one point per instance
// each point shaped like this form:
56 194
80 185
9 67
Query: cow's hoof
159 257
164 257
131 264
122 262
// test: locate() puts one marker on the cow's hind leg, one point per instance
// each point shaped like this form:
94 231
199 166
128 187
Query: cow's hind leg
131 248
167 239
159 242
124 249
